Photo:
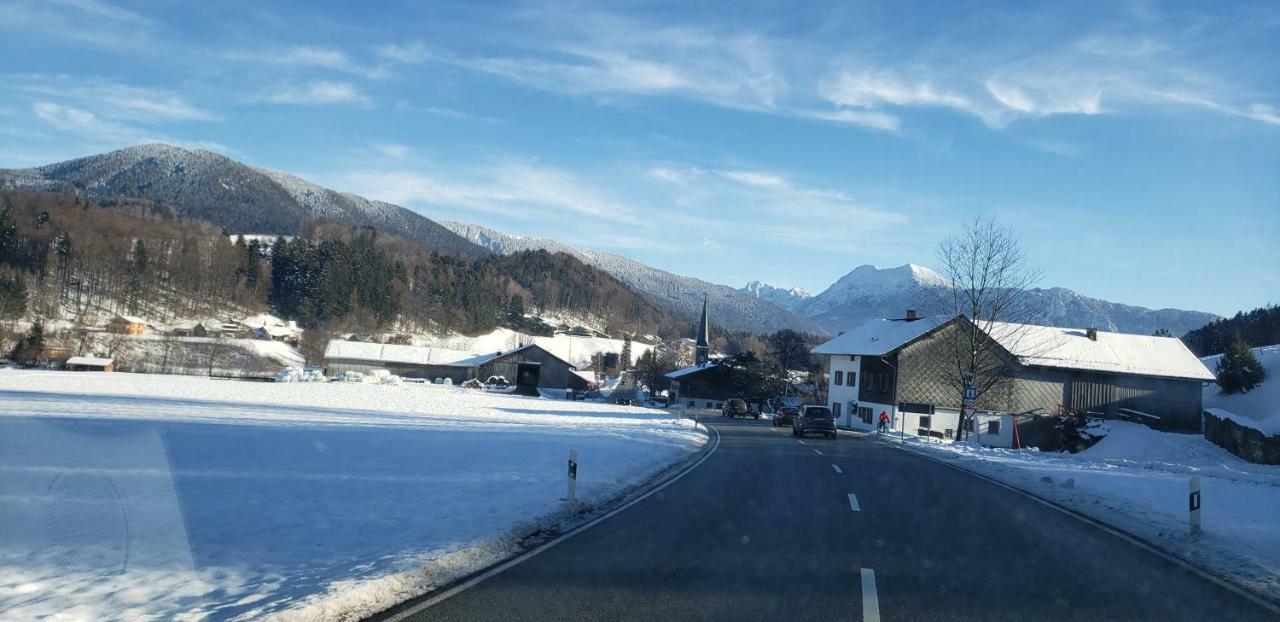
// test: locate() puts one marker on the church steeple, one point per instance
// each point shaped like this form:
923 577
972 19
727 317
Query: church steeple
702 350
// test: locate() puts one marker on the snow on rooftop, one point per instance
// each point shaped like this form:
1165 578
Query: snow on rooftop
879 337
689 370
1071 348
89 360
390 353
132 319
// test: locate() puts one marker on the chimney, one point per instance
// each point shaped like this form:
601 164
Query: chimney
1091 333
911 315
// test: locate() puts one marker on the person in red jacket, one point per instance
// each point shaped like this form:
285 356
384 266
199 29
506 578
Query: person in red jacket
884 421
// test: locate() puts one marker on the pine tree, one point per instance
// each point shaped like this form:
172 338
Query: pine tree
1239 370
626 352
28 349
1162 332
13 297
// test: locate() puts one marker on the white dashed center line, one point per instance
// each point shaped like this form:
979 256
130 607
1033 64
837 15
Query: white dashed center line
853 503
837 468
818 451
870 600
800 441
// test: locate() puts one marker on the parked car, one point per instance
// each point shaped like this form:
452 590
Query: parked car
814 419
736 407
785 415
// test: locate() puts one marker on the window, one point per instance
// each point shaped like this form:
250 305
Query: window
926 421
851 380
866 381
839 378
993 427
884 382
708 404
835 409
864 413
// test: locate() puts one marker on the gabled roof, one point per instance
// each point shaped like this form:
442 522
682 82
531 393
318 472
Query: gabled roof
1071 348
389 353
132 319
880 337
481 359
689 370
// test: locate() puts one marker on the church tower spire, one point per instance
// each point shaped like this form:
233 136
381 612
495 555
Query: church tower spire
702 350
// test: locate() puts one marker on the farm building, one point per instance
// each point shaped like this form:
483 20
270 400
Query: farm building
901 367
407 361
89 363
531 366
126 325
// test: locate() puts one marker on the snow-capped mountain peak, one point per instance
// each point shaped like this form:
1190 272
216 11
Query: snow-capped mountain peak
789 299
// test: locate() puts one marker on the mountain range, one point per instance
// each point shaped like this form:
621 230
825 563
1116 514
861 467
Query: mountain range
869 292
250 200
731 308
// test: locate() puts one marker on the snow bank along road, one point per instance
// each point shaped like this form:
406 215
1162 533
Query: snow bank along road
131 496
770 528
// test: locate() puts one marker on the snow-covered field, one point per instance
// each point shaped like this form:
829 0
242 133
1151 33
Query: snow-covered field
1136 479
133 496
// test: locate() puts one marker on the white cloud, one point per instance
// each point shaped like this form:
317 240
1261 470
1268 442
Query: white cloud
392 150
413 52
110 99
518 190
313 57
865 89
70 119
318 93
755 178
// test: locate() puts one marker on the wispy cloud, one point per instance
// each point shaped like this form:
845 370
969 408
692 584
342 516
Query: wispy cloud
318 93
313 57
99 133
121 101
513 189
413 52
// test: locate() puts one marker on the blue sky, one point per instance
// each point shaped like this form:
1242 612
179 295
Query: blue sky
1134 145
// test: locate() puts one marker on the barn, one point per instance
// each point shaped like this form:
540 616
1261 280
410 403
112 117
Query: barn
530 366
89 363
408 361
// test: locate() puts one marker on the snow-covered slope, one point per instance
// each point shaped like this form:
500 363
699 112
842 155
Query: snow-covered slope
789 299
1258 408
243 199
870 292
730 308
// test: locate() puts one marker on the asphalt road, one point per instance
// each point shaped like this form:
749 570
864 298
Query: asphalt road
765 529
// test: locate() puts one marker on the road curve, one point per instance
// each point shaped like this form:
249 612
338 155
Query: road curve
769 528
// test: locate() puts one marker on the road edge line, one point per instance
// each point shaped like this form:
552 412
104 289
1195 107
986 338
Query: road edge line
449 590
1134 539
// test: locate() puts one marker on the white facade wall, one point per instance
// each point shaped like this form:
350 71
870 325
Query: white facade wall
846 394
943 420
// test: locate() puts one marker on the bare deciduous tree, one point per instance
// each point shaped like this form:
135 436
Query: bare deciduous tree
988 274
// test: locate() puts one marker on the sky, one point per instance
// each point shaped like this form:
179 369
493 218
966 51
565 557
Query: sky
1134 146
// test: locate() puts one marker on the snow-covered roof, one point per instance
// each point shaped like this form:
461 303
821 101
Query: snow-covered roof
588 375
132 319
89 360
879 337
689 370
389 353
481 359
1071 348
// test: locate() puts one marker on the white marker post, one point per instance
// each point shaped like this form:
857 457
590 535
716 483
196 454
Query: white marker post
1193 503
572 495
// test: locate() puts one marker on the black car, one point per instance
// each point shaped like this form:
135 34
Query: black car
785 415
814 419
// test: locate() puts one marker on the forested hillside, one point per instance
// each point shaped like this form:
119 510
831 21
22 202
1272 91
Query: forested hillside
1260 327
65 257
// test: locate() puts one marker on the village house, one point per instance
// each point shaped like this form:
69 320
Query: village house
127 325
900 367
